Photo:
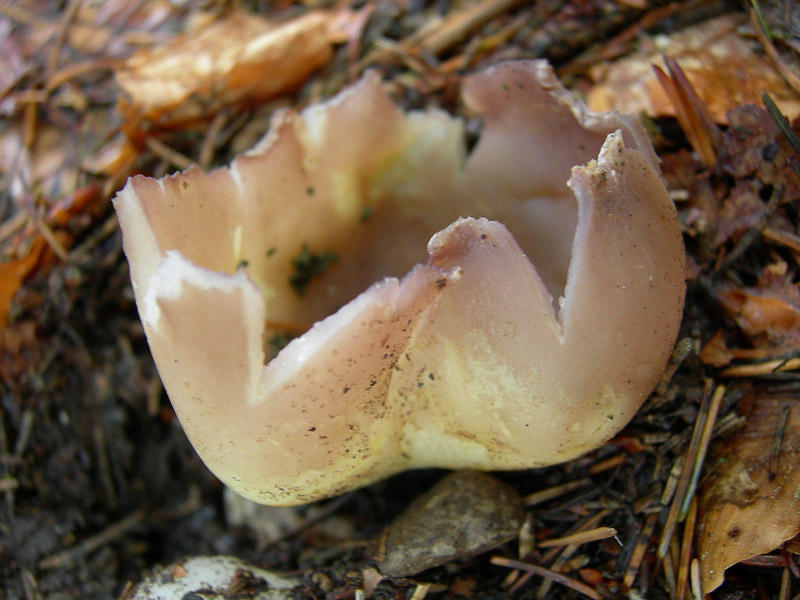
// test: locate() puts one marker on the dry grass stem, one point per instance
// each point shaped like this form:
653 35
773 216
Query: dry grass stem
555 492
547 574
600 533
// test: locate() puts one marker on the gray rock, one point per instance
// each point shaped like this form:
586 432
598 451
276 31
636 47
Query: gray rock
466 513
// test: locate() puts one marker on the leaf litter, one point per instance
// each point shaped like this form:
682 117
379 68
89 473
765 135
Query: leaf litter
99 483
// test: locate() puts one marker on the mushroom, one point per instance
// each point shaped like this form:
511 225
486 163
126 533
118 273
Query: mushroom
470 357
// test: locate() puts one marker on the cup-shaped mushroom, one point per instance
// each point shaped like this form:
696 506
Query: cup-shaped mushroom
537 324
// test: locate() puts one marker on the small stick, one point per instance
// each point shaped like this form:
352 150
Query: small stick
420 591
785 238
165 153
600 533
578 586
632 570
555 492
71 555
686 550
786 585
550 557
608 463
705 440
697 585
63 30
686 473
762 368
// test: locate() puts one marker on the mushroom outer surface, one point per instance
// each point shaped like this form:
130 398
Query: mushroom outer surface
538 321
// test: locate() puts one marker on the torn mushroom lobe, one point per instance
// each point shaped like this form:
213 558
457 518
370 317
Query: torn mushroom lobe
465 362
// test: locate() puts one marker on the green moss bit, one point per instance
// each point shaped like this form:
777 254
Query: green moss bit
272 251
278 342
366 214
309 265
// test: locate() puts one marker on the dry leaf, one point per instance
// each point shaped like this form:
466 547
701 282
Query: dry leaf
740 212
691 111
754 147
12 274
241 58
48 169
769 313
724 68
750 505
716 352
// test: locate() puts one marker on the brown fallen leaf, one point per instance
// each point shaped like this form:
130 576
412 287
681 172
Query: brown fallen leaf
756 148
750 505
12 274
717 353
241 58
691 111
725 68
769 313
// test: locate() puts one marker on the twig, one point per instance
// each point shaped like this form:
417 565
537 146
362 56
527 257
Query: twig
777 441
705 440
556 560
165 153
600 533
8 483
762 368
105 467
108 227
686 474
755 231
209 145
420 591
74 70
608 463
781 122
455 27
72 555
786 585
578 586
785 238
697 582
324 513
686 550
438 36
52 241
769 49
639 551
555 492
61 37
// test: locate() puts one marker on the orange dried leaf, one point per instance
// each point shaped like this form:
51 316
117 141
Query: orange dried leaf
758 315
724 67
750 505
769 313
716 351
12 274
690 110
241 58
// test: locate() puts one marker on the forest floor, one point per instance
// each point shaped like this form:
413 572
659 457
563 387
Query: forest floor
98 481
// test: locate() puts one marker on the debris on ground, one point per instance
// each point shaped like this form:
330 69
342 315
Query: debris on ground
98 482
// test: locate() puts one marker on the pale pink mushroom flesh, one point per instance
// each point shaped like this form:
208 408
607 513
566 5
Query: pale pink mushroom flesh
466 361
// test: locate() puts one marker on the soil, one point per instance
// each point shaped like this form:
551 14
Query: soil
98 480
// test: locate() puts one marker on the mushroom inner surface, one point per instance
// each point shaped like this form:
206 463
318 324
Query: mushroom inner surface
357 188
350 191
